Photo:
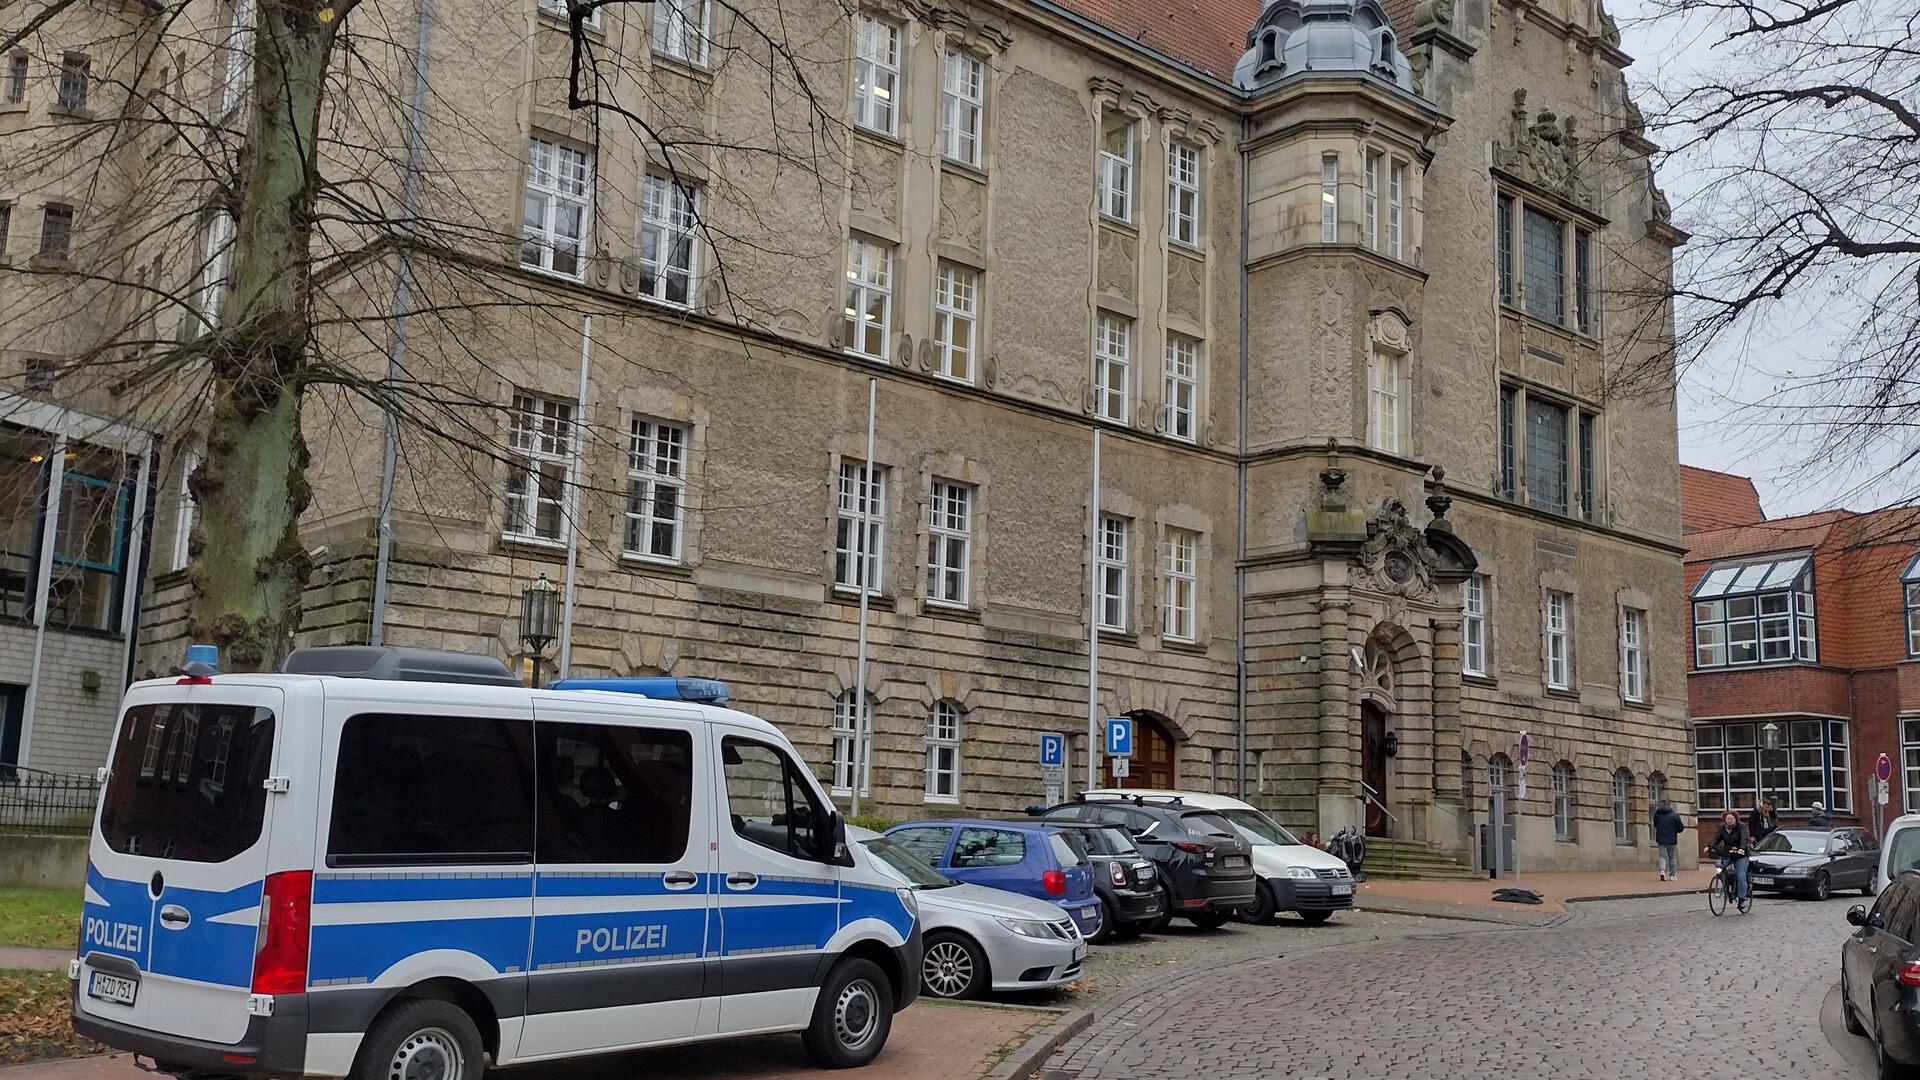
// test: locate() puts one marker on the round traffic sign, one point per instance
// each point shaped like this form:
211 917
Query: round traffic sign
1883 769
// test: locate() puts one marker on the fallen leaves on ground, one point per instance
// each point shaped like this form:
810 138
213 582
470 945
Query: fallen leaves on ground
36 1018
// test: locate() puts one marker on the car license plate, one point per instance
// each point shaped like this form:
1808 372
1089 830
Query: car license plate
1763 881
112 988
1343 890
1079 952
1234 860
1144 873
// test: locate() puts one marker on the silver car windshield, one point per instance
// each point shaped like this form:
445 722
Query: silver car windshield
1259 829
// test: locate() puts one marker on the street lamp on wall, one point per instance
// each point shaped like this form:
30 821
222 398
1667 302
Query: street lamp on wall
538 619
1770 745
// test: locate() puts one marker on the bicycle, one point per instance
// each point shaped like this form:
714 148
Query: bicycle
1717 890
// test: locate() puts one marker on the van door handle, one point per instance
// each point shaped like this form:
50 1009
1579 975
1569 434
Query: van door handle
174 917
742 879
680 880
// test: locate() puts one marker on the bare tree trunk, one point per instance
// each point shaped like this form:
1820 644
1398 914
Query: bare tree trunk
249 564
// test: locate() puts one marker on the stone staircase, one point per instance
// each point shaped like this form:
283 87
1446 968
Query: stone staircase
1397 859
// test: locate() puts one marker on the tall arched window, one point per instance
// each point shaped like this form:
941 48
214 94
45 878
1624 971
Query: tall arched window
844 716
1622 807
943 752
1563 801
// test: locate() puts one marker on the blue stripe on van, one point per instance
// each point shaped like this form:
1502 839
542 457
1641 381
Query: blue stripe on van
606 937
203 950
365 950
120 926
869 902
359 890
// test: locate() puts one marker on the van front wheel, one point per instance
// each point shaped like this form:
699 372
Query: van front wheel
421 1039
852 1017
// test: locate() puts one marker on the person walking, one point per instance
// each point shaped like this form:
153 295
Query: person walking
1819 820
1762 821
1667 828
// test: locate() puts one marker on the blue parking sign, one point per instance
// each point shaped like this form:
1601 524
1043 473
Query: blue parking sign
1120 736
1053 749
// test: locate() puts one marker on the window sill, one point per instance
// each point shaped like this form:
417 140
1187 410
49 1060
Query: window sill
942 800
85 632
651 564
867 356
939 609
1477 678
971 172
890 140
48 262
1120 224
1563 693
1117 421
663 303
576 279
1637 705
1565 840
537 544
13 107
1544 323
1179 645
1185 247
952 379
851 598
71 112
1119 637
693 69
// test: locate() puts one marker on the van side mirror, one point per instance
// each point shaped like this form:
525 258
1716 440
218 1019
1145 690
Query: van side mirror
834 840
1857 915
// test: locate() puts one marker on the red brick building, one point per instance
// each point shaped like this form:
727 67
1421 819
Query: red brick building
1810 624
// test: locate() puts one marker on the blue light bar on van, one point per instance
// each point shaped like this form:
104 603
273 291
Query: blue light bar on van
661 688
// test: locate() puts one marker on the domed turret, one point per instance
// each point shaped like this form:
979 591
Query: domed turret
1296 36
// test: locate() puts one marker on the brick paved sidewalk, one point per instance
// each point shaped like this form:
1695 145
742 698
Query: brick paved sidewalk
1473 899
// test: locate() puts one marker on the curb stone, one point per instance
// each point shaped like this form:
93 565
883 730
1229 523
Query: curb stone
1030 1059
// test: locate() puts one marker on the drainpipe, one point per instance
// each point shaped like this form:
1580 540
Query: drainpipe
1240 511
402 304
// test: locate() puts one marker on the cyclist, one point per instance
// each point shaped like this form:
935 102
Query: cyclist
1730 846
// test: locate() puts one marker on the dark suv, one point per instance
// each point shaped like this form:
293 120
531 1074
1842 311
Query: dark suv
1127 882
1205 865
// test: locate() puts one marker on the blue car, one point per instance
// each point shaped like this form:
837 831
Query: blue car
1032 859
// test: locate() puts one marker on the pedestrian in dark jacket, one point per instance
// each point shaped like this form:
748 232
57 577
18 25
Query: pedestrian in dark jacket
1819 820
1761 822
1730 844
1667 828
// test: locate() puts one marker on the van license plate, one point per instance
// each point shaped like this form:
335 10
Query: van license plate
112 988
1343 890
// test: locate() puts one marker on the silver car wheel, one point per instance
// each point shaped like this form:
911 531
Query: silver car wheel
856 1015
427 1054
947 969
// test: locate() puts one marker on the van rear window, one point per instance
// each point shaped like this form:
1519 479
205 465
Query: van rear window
432 791
187 781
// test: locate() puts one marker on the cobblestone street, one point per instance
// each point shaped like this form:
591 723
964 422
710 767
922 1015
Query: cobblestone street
1630 988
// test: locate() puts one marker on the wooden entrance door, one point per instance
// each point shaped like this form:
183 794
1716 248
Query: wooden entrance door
1153 762
1373 767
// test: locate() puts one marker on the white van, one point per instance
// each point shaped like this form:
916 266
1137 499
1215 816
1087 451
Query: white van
388 862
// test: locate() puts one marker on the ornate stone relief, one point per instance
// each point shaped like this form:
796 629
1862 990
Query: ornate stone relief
1394 560
1544 152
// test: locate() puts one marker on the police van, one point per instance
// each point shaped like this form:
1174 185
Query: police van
386 862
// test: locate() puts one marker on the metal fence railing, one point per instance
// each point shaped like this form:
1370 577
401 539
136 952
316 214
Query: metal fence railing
34 800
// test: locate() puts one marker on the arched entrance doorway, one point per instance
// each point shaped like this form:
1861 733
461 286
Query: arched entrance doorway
1373 765
1153 763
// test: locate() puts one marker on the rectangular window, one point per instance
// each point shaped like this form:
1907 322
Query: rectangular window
1546 455
1112 356
1589 498
56 233
1633 657
559 10
680 29
1473 625
669 214
236 70
1110 550
213 286
1384 379
1562 803
541 455
769 801
943 752
1116 167
6 225
1396 185
656 490
1183 367
73 81
1183 194
861 529
1182 585
1546 265
1812 765
1329 198
867 317
962 102
1508 444
209 802
16 91
1503 245
949 543
614 794
1912 592
91 544
1370 202
876 74
845 735
1622 796
1558 637
432 791
1754 612
183 513
554 230
1583 309
1910 762
956 300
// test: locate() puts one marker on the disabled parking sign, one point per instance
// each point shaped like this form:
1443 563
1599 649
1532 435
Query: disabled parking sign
1120 736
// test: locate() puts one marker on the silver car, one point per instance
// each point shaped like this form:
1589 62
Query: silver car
978 938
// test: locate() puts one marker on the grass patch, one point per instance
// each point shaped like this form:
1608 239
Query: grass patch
35 1018
44 918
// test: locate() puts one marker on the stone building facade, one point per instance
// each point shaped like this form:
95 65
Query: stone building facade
1341 291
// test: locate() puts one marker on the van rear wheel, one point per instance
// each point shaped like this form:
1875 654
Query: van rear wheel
852 1016
421 1039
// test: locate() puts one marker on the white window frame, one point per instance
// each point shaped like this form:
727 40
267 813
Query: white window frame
221 231
1622 807
1396 190
1387 414
183 514
1633 655
1370 201
669 241
656 462
1473 625
680 30
1183 193
1110 555
869 279
1180 619
844 709
956 326
1182 379
876 74
1113 367
1116 169
950 544
541 431
548 183
943 752
1329 198
1910 761
1557 640
963 107
852 514
1562 801
236 71
560 9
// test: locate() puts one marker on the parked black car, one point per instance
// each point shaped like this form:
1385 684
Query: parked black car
1880 975
1126 881
1205 866
1815 862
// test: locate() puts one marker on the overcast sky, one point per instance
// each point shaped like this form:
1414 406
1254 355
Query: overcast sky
1729 414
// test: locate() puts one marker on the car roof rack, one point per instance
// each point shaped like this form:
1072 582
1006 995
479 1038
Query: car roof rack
399 663
1137 799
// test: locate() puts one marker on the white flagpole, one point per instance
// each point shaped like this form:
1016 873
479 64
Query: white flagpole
856 769
1093 627
564 664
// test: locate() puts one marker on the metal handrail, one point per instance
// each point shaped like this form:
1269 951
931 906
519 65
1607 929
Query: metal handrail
1369 795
